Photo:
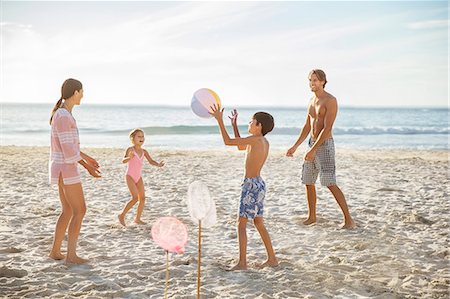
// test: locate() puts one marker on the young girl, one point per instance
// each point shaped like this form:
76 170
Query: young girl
134 156
65 155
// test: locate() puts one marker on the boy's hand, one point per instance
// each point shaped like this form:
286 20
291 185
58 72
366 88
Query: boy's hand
233 117
216 112
161 164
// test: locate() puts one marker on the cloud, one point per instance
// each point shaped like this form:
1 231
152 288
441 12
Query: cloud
246 50
432 24
11 27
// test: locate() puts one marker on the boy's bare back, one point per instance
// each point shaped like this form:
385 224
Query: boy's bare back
256 156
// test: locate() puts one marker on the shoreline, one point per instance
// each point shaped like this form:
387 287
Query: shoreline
439 154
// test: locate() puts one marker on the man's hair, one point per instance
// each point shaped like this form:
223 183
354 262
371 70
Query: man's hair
320 75
266 121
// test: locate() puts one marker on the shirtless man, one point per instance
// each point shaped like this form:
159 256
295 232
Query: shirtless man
253 187
322 110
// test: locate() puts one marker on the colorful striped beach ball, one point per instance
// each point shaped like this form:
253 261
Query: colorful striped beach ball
203 99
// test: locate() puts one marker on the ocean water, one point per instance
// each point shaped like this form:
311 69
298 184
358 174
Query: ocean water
179 128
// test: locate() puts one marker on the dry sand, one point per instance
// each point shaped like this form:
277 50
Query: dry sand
399 199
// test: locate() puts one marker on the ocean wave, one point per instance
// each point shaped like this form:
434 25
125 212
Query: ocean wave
391 131
206 130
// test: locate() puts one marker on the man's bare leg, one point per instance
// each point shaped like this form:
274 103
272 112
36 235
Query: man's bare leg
311 198
271 259
340 198
242 235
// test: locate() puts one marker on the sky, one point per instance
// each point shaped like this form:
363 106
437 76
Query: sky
375 53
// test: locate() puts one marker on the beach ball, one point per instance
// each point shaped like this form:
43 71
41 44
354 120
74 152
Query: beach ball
170 234
202 100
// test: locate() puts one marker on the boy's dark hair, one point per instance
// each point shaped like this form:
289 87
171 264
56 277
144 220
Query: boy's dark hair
266 121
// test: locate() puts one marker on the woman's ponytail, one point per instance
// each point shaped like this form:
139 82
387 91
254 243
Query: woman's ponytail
57 105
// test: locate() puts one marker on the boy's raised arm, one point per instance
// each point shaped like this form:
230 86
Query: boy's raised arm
218 115
234 124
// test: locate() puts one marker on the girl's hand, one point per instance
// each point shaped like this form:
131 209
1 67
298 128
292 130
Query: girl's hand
161 164
130 154
233 117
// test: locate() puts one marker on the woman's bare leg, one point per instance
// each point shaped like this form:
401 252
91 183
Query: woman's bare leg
61 224
75 198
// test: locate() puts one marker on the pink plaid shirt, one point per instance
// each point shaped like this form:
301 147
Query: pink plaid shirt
64 148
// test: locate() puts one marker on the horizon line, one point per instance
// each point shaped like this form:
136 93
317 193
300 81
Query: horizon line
238 106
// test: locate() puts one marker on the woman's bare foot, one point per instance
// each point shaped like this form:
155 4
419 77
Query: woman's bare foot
139 221
309 221
76 260
269 263
349 224
238 267
57 255
121 219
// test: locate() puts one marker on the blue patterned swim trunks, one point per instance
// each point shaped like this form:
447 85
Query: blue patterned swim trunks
252 198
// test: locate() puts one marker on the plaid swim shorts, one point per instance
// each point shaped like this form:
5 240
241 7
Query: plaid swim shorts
323 163
253 192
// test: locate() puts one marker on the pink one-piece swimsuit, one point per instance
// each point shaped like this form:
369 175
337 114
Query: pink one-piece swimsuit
134 168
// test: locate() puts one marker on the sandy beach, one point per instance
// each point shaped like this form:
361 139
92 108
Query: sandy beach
399 199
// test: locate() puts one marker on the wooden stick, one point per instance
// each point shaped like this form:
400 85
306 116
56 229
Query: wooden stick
199 256
167 274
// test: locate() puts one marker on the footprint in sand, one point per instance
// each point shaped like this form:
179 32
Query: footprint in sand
7 272
12 250
389 189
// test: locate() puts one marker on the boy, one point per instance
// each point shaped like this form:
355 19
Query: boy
253 187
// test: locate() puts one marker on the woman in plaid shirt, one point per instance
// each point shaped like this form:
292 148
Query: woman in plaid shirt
65 155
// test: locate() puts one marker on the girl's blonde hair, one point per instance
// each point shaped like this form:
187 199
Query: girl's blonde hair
134 132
